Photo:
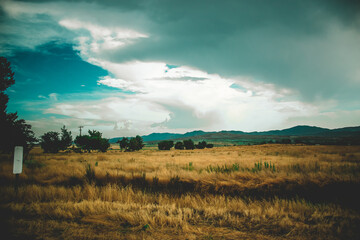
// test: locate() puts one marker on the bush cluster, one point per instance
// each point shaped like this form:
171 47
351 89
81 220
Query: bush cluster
93 141
53 142
132 144
165 145
186 144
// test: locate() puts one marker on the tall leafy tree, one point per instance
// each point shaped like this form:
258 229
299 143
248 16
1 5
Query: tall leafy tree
13 131
6 80
124 143
83 142
93 141
140 142
50 142
132 144
66 138
53 142
135 144
103 145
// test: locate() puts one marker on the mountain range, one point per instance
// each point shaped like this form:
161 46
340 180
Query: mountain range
298 131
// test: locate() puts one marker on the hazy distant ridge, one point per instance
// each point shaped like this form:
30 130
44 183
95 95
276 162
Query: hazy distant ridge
294 131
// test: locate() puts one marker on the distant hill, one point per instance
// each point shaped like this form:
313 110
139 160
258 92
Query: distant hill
164 136
297 131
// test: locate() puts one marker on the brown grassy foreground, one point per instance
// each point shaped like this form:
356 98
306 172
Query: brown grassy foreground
220 193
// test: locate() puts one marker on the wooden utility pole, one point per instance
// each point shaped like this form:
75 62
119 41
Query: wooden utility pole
80 127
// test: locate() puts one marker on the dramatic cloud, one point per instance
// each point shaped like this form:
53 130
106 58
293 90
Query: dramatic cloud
173 101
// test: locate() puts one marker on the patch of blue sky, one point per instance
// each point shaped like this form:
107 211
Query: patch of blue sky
28 110
237 86
51 74
50 69
170 66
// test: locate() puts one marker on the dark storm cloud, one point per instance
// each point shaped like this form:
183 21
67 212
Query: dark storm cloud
309 46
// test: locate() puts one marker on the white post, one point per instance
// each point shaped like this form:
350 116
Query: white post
18 159
18 164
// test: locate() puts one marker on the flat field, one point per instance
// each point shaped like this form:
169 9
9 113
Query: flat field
240 192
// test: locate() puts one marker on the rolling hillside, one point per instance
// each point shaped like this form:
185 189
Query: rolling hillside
297 132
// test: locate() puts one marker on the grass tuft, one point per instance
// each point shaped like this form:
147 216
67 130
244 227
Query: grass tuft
89 173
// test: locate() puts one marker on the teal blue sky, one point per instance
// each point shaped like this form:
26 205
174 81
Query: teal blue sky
143 66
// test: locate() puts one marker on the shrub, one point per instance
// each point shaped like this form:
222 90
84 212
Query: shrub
224 168
259 166
89 173
189 167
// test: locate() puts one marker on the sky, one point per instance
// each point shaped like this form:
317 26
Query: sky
143 66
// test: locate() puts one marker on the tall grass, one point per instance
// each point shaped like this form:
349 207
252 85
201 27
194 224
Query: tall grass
251 192
112 207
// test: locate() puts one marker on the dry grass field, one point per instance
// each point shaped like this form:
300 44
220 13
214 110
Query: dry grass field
239 192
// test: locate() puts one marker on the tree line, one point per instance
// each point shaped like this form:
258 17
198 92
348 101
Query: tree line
132 144
53 142
186 144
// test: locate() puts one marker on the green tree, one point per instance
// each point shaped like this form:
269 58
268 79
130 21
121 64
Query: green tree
140 142
83 142
14 131
6 80
135 144
93 141
50 142
66 138
124 143
201 145
103 145
53 142
165 145
95 134
189 144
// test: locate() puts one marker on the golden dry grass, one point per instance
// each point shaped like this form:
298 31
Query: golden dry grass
150 194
